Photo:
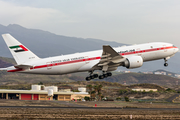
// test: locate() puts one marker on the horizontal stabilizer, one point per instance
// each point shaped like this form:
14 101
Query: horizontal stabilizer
23 66
3 68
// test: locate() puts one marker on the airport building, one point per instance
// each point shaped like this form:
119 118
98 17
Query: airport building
144 89
48 93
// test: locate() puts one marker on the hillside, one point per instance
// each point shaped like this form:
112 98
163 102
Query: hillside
129 78
136 78
6 62
46 44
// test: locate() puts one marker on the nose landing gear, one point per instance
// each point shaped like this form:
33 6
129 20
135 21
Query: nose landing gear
165 64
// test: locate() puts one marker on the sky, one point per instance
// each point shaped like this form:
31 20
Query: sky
123 21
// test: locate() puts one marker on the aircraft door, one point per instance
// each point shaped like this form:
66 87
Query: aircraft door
86 59
49 65
164 47
139 53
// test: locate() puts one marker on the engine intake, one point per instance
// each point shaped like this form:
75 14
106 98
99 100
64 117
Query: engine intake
133 62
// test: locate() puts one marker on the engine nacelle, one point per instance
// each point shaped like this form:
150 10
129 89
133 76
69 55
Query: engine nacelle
133 62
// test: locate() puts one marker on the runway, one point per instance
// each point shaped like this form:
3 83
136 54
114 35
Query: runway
46 107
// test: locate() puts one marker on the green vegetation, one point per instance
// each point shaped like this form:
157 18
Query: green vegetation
118 98
17 87
87 98
170 90
40 83
121 92
95 91
126 99
76 90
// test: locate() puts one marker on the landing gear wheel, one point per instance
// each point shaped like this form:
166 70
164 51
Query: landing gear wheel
88 78
105 75
165 64
101 77
92 76
109 74
95 75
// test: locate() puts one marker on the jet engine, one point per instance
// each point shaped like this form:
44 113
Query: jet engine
133 62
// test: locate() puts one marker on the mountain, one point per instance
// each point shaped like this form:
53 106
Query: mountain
6 62
138 78
46 44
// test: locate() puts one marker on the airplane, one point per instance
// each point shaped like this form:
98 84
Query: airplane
106 60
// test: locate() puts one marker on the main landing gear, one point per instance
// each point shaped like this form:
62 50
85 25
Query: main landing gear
93 76
105 75
165 64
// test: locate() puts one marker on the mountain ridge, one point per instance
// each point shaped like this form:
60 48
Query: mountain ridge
55 44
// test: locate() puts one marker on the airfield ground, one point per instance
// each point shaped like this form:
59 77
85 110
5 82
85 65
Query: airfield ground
124 110
91 114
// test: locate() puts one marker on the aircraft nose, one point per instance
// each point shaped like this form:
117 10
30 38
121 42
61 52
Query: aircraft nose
176 49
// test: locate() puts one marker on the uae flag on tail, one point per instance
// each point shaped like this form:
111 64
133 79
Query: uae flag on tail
18 48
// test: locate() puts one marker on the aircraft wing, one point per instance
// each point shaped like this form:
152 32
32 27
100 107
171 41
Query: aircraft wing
110 59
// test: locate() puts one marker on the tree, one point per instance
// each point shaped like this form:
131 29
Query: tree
99 96
40 83
89 87
86 98
99 88
93 94
118 98
123 91
95 88
126 99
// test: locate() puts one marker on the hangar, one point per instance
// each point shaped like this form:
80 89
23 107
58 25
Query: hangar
48 93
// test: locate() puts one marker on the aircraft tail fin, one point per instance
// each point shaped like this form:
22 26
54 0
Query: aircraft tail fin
20 53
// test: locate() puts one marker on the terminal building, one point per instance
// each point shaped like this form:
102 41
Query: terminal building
48 93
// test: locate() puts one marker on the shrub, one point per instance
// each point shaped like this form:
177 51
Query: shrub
170 90
122 91
109 99
87 98
126 99
118 98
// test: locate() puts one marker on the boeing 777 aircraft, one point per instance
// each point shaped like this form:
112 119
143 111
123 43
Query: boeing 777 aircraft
106 60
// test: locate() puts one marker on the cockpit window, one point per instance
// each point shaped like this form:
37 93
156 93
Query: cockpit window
174 46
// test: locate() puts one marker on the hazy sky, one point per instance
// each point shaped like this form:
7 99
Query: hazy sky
124 21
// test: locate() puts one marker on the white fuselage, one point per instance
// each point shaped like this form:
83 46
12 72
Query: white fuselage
85 61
